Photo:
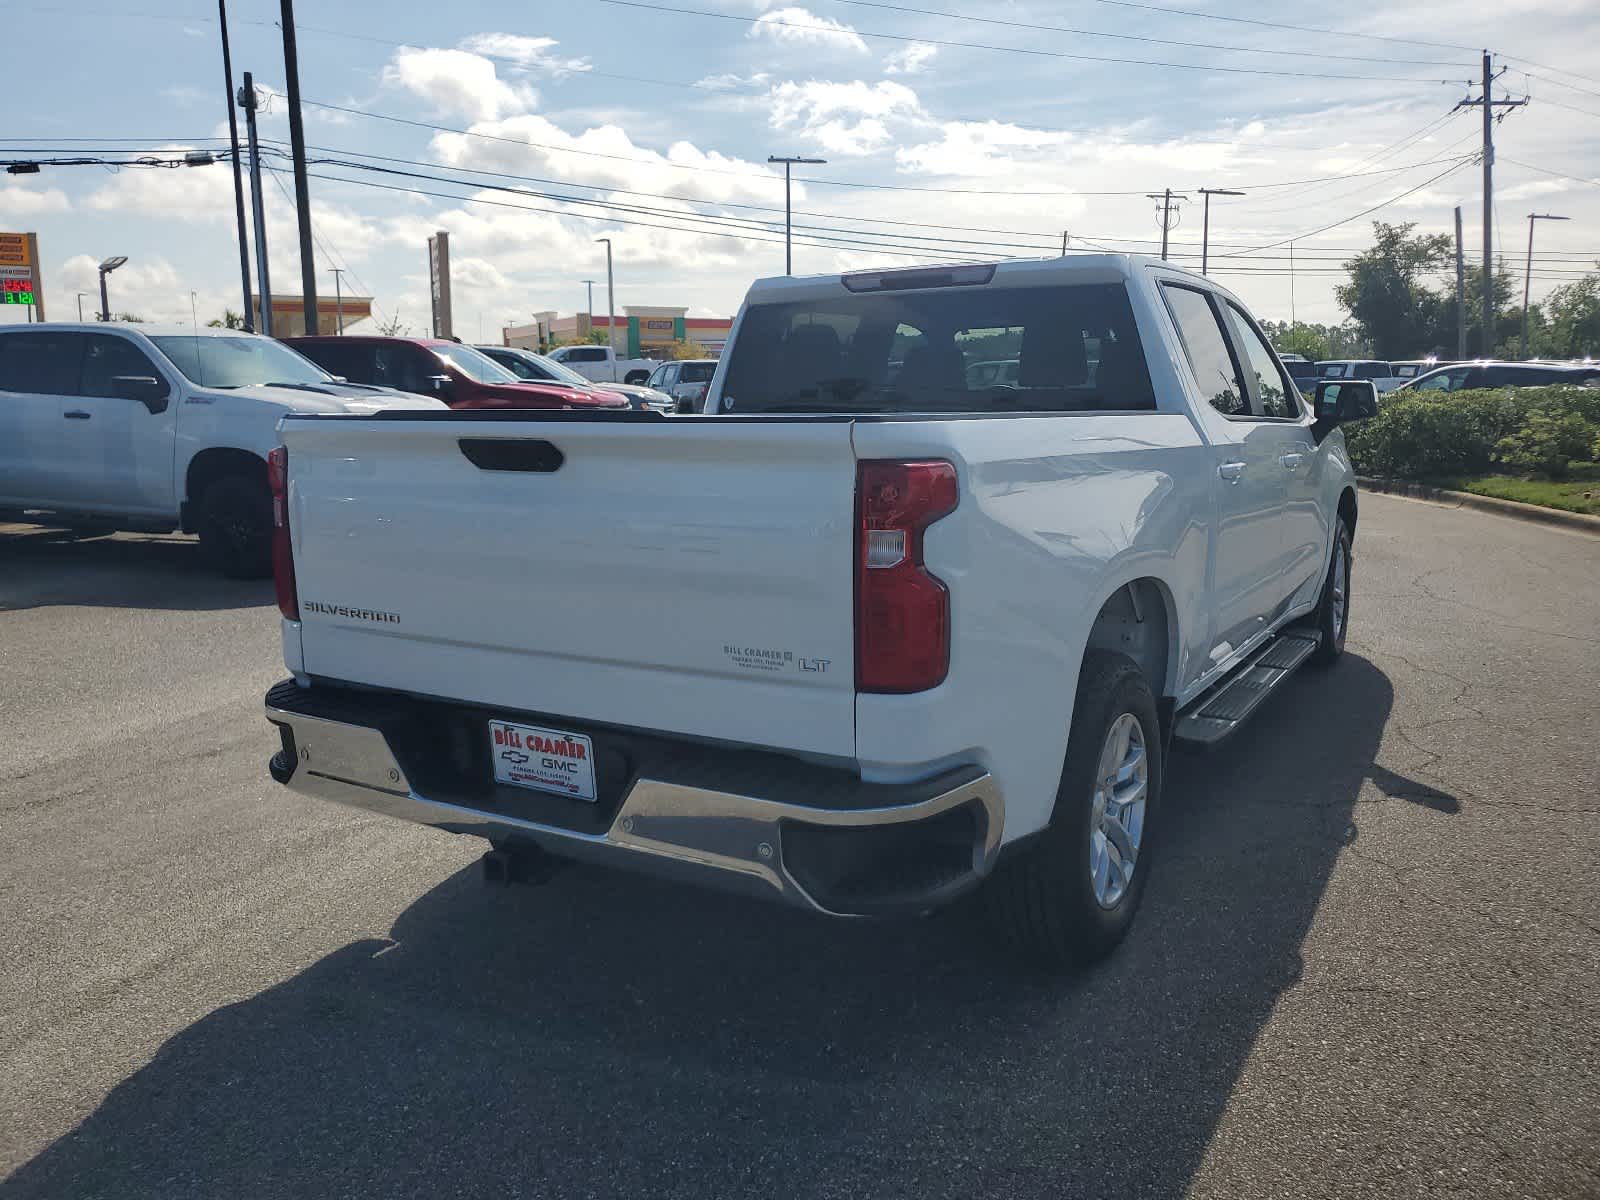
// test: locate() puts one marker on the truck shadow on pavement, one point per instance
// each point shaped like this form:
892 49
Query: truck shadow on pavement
49 566
610 1036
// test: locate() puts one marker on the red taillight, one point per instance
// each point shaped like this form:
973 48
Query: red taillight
902 611
282 556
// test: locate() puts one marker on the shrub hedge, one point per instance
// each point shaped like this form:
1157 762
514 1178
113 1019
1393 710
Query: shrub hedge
1436 435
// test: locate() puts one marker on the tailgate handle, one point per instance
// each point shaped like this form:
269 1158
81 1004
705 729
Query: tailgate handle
512 454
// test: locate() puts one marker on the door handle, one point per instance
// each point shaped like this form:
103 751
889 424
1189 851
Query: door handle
76 414
1231 471
1292 460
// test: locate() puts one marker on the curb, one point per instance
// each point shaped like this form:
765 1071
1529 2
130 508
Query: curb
1536 513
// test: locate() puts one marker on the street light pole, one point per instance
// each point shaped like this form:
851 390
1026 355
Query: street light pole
248 100
611 310
788 206
81 295
590 309
238 183
1205 222
108 266
1527 273
297 148
338 299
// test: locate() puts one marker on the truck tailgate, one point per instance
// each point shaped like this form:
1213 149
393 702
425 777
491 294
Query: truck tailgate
689 576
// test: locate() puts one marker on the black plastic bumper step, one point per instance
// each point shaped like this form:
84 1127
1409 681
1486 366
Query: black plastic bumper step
1230 704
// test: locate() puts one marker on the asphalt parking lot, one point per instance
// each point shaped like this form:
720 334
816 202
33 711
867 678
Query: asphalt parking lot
1368 964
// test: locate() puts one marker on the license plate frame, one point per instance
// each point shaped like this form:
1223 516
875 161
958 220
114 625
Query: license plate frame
540 759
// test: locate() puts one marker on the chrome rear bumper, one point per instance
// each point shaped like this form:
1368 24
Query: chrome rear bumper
669 826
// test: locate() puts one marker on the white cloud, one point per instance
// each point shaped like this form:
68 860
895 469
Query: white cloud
797 26
731 81
457 82
844 118
530 52
910 60
18 201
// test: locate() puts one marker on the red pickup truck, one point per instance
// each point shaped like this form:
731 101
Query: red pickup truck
459 375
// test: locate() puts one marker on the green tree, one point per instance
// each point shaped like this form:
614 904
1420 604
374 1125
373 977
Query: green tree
685 349
1387 294
393 327
228 320
1569 320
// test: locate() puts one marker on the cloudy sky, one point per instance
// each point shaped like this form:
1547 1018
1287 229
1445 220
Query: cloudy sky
529 130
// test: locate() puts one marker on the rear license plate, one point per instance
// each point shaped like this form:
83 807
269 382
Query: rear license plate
545 760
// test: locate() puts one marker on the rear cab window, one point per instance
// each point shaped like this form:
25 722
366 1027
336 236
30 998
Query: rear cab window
985 349
1200 329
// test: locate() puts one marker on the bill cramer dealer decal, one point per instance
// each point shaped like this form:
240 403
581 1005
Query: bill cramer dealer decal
752 658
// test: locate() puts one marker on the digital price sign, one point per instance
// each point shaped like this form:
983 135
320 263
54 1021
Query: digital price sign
16 291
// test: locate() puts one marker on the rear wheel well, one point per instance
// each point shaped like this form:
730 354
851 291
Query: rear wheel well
1347 509
1137 621
218 462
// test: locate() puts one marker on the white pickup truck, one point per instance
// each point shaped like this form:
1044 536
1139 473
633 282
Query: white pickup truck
602 364
862 636
158 428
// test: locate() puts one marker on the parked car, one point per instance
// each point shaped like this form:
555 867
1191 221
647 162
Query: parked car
908 655
686 381
1381 373
448 371
158 427
1304 373
1409 369
536 368
1466 376
602 364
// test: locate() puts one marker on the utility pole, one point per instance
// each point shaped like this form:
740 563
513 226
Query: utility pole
611 311
238 184
81 295
338 301
590 309
297 146
1527 274
1168 214
247 99
788 208
1488 103
1063 243
1291 285
1205 224
1461 293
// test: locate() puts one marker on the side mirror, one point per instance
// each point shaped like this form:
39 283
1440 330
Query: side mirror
442 386
1339 401
146 389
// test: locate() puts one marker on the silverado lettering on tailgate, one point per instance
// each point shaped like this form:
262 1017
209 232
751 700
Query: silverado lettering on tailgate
358 614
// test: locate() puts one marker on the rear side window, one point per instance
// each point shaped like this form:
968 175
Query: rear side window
1372 371
1334 370
1207 348
46 363
584 354
983 349
1406 371
696 372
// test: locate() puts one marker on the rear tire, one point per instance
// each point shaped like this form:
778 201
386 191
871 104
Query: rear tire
235 526
1070 896
1331 617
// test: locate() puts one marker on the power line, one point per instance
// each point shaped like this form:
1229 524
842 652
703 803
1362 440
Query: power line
1547 171
1131 37
1357 216
1034 51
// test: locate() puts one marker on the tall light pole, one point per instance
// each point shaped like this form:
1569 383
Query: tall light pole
590 309
108 266
238 183
249 101
338 299
611 310
297 148
1205 222
788 206
81 295
1527 273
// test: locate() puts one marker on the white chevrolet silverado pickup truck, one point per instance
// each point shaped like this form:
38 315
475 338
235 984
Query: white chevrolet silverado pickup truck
871 631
